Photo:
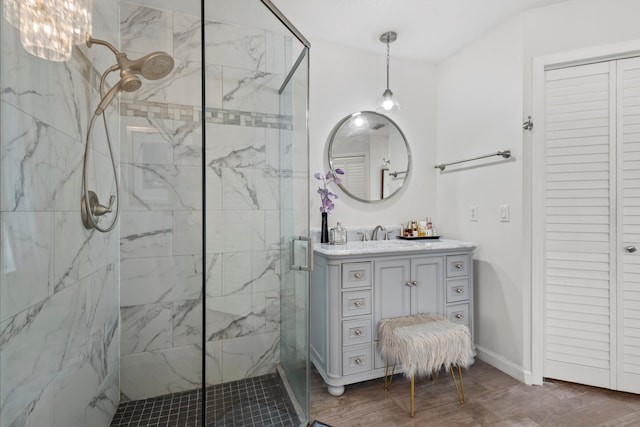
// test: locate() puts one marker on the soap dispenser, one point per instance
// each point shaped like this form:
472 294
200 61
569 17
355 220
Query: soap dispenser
338 235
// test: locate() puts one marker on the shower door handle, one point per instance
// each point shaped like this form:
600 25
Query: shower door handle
294 265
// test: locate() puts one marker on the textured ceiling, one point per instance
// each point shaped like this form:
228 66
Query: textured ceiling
427 29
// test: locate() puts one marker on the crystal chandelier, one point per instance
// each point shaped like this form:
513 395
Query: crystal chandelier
50 28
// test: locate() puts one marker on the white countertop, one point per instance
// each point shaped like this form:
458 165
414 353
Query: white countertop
391 246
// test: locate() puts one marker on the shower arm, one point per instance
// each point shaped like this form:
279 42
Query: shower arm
91 41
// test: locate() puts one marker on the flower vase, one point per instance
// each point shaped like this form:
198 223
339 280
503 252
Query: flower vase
324 232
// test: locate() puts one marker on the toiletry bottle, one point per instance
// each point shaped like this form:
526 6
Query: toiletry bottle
339 234
429 227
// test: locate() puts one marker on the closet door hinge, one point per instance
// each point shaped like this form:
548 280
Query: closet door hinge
527 125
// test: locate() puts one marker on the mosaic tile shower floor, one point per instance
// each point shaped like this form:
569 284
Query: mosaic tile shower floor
259 401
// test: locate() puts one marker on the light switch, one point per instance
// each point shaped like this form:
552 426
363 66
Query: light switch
473 213
504 213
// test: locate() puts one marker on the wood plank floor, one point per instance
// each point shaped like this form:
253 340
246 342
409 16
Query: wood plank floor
492 399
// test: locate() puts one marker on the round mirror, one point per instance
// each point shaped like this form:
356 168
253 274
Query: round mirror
373 153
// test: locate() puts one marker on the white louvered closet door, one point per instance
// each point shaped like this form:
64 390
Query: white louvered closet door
579 224
592 215
628 316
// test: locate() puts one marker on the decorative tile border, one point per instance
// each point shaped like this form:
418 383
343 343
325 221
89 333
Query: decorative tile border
188 113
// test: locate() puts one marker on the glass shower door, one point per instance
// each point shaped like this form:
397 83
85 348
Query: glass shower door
296 246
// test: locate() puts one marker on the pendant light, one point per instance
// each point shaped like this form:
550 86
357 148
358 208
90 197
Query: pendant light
389 101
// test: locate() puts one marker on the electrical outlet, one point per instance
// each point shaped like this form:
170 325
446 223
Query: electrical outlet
504 213
473 213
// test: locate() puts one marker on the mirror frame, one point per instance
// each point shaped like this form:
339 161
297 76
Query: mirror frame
332 137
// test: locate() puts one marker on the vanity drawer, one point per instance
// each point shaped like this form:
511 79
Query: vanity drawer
356 360
356 275
356 303
457 265
357 331
457 290
458 313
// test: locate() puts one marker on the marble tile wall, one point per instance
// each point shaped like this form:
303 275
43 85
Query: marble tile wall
161 248
59 317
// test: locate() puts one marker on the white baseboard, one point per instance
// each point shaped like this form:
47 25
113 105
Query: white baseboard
502 364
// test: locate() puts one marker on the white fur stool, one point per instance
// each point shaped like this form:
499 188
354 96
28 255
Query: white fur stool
423 344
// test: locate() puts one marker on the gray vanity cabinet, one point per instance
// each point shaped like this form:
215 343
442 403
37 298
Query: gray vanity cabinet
405 286
350 293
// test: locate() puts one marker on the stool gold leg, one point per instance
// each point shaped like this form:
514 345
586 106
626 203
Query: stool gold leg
388 378
459 390
412 395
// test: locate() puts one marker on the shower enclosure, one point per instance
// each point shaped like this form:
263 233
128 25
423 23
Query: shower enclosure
202 283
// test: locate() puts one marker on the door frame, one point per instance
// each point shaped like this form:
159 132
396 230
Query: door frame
540 65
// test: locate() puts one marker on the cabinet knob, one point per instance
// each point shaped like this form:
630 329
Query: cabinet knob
459 316
357 303
358 361
357 275
459 266
358 332
459 290
409 283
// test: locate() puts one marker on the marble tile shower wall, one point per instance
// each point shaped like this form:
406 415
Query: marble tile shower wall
161 231
59 323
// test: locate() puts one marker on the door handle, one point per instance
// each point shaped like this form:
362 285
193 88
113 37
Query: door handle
631 249
294 266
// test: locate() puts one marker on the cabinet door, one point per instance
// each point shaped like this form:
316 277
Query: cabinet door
427 292
392 291
392 295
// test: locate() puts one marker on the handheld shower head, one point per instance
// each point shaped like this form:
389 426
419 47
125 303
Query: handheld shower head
128 83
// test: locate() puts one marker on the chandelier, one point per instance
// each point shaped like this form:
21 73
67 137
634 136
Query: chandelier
50 28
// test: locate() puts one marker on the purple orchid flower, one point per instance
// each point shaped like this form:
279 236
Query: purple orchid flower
326 196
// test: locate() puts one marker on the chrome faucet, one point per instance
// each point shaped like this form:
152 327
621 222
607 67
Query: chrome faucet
374 234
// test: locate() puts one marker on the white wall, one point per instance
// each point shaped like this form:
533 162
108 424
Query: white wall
345 80
479 111
484 94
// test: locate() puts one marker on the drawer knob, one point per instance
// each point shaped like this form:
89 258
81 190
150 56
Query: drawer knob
358 361
357 303
409 283
459 290
358 332
357 275
459 316
459 266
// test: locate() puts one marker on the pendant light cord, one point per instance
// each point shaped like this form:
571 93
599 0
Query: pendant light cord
388 62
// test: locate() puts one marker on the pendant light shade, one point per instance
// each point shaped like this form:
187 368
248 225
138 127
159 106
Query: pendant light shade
389 100
50 28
